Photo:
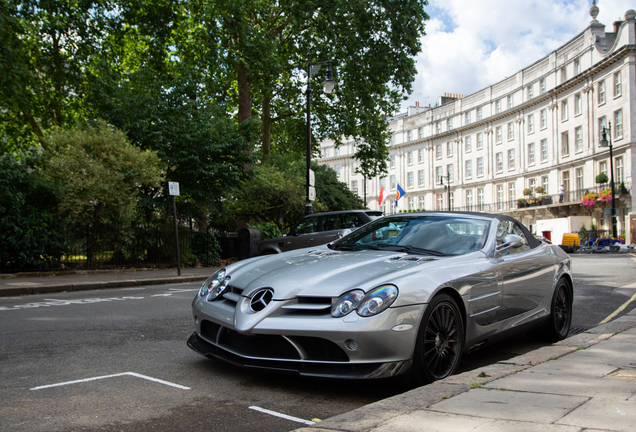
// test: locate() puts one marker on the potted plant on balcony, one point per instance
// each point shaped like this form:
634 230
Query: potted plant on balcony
540 190
601 178
622 190
522 202
528 193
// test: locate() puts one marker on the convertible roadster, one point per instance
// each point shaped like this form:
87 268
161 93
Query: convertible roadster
403 295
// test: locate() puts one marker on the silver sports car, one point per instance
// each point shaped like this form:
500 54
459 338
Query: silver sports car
404 294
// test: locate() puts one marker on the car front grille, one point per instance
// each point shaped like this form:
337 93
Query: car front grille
272 346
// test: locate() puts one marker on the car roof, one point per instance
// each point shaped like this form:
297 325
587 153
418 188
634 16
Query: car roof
347 211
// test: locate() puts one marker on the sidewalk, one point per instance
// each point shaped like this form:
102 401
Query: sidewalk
24 284
584 383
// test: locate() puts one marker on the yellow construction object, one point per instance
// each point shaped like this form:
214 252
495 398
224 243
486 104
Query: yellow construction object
571 239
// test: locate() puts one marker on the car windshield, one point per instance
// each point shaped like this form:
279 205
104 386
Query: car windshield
427 235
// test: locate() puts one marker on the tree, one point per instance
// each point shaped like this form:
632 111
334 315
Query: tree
99 174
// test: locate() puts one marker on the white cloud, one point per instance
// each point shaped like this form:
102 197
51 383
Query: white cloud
472 44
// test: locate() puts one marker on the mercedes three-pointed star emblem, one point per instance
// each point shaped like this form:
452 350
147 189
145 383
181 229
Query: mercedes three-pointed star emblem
260 299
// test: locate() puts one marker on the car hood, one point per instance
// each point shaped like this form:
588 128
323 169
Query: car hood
321 272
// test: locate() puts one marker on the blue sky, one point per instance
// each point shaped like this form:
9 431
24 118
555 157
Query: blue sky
471 44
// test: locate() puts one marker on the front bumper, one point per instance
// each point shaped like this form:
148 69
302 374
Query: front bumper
327 369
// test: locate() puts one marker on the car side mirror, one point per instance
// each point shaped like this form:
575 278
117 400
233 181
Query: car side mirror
343 232
511 241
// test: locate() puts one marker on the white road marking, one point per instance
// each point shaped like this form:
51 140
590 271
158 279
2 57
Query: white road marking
57 302
284 416
619 310
113 376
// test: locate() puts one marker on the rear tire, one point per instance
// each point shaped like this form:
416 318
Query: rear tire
557 327
440 341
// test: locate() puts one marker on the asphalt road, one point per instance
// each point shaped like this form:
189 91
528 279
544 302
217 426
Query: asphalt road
116 360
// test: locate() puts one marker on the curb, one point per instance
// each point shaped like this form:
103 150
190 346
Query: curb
384 411
85 286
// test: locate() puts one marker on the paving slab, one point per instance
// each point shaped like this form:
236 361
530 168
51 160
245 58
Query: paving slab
511 405
431 421
612 414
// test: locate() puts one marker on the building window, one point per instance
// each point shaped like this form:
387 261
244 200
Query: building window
578 136
409 180
500 197
577 67
449 171
531 123
422 201
511 159
440 201
337 171
480 141
510 102
469 169
409 158
480 167
544 118
601 92
602 167
499 158
336 151
420 132
392 140
618 124
438 127
438 171
498 106
618 90
478 113
602 124
449 148
392 161
392 179
565 144
468 118
579 179
411 203
420 155
577 104
438 151
544 150
530 91
532 183
511 192
564 110
564 74
511 131
449 124
325 152
542 85
354 186
498 134
531 154
420 177
544 183
566 181
383 182
620 172
480 198
409 135
469 199
468 144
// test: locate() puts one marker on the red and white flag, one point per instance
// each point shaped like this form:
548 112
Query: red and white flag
381 198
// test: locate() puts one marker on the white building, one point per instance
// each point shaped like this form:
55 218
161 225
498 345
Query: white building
538 127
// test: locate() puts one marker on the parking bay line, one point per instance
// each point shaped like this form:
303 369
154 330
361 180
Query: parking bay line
113 376
283 416
619 310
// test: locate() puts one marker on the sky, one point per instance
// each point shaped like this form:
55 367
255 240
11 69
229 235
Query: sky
472 44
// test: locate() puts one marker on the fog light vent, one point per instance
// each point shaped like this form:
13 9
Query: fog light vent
351 345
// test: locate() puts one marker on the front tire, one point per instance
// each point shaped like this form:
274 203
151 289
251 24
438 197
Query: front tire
440 341
557 327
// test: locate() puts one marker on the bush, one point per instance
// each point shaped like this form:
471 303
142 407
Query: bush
268 230
601 178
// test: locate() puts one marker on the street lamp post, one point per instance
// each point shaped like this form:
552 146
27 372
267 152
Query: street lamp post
605 143
328 85
441 182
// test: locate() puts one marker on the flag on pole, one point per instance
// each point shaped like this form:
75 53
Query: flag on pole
381 198
400 193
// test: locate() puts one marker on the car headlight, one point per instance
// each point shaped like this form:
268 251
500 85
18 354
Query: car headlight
346 303
377 300
215 285
366 305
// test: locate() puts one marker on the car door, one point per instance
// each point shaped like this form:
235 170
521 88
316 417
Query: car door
330 229
302 235
527 273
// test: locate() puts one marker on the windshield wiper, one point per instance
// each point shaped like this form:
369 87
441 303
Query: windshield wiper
412 249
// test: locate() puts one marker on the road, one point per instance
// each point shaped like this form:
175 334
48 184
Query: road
116 360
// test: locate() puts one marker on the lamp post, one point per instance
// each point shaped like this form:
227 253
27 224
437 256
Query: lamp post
441 182
328 85
605 143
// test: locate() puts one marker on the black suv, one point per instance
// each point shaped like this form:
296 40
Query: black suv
318 229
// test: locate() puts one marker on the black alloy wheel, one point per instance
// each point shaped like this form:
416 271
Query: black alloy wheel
440 341
557 326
